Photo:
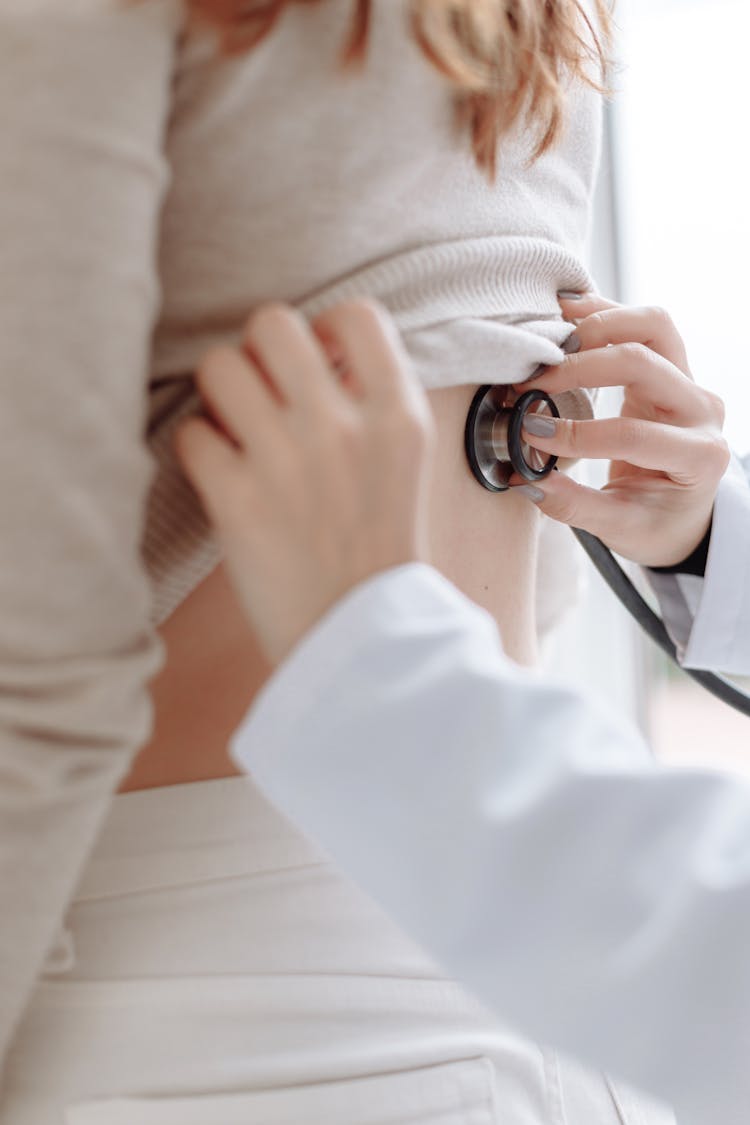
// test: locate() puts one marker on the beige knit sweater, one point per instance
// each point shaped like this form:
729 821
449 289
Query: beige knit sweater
150 196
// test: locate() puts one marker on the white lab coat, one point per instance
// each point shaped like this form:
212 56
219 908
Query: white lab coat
595 899
709 619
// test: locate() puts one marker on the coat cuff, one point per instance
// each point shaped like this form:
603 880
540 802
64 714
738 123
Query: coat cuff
709 618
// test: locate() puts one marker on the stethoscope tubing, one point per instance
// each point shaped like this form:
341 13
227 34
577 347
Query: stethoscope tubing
651 623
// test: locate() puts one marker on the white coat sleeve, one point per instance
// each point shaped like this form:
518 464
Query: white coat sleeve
527 840
709 618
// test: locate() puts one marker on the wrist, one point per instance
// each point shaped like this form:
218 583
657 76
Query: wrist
287 628
695 562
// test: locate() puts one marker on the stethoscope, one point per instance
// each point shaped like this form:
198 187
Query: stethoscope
495 448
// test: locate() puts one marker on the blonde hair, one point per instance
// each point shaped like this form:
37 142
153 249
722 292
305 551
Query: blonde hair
507 59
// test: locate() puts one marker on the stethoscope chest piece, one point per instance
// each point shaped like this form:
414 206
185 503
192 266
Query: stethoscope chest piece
494 445
495 450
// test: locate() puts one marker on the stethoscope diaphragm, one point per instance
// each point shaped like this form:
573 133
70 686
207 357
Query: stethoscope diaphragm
495 447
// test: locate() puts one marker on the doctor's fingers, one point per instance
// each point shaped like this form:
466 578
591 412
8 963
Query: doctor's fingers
654 382
576 308
610 516
652 327
686 455
617 519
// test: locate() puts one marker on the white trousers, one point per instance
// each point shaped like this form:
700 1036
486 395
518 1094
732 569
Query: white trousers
215 969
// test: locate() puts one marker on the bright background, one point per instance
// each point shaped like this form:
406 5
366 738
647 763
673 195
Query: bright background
672 228
683 156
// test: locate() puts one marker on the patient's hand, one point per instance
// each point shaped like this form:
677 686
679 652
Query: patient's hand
666 451
316 470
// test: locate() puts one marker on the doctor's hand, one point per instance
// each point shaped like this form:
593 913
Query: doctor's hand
666 451
312 463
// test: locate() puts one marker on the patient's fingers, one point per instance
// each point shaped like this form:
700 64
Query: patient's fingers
237 396
370 348
281 342
214 468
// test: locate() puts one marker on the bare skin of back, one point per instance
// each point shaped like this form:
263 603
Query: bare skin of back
485 543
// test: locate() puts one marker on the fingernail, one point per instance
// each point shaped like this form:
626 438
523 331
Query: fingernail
572 344
539 425
569 295
536 374
529 492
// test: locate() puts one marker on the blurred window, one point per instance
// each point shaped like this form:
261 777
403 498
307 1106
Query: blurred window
675 189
